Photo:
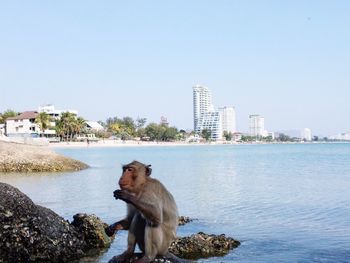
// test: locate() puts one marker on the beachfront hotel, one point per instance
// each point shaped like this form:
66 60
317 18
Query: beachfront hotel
206 117
24 124
201 103
228 119
257 125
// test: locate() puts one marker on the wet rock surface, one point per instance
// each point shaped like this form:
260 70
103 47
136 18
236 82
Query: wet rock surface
16 157
194 247
92 230
202 245
137 256
32 233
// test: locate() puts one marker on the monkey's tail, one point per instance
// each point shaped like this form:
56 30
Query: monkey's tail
176 259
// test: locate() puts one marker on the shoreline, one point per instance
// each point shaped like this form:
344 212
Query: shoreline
112 143
130 143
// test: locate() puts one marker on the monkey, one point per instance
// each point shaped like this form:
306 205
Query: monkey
152 214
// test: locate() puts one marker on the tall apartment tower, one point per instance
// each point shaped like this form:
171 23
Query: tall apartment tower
201 103
228 119
256 125
306 134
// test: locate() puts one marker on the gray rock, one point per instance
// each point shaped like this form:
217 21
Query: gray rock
202 245
32 233
197 246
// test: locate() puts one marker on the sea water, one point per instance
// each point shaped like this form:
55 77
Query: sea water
284 202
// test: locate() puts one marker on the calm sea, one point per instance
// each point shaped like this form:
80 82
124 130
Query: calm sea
285 203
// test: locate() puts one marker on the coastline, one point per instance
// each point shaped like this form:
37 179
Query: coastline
131 143
114 143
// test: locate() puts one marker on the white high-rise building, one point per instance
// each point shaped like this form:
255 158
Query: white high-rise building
228 119
212 121
306 134
256 125
201 103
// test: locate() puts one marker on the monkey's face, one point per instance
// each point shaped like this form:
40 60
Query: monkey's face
127 178
132 178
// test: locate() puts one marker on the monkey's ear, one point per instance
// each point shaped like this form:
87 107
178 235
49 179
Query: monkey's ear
148 170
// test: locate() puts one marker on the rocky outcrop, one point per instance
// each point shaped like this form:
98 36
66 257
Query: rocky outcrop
202 245
197 246
194 247
31 233
16 157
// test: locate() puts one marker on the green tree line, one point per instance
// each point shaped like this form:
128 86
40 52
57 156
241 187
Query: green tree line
128 128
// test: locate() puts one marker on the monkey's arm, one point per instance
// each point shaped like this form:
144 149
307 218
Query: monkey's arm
123 224
151 211
120 225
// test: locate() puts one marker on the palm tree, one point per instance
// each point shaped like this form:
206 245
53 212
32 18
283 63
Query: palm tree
65 126
79 125
43 121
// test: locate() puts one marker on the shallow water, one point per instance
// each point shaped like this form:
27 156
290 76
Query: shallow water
285 203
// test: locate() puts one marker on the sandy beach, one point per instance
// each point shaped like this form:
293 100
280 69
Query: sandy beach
118 143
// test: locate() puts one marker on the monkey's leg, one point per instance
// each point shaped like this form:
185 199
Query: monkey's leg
154 239
128 253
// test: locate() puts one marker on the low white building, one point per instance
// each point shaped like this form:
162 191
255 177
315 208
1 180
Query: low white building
94 126
23 125
54 114
342 136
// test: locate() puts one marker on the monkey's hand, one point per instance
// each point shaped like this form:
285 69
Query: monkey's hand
111 229
123 195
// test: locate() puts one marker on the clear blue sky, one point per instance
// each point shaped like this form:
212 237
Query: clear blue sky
288 61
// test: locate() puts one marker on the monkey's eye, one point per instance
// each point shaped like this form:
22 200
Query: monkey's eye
129 169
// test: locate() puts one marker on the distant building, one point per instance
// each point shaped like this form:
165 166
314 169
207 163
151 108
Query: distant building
342 136
257 126
201 103
306 134
23 125
164 121
271 134
211 120
228 119
94 126
50 110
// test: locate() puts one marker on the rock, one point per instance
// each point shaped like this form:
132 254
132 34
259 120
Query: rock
202 245
16 157
197 246
183 220
92 230
32 233
136 256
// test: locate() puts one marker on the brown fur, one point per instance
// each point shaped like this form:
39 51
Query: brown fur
152 215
